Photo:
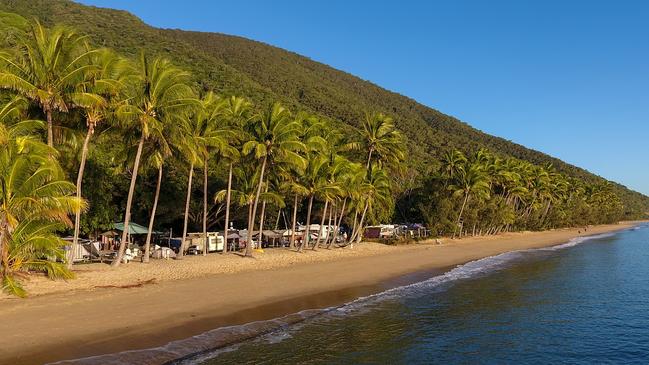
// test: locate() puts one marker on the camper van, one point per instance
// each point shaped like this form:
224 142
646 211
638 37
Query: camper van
195 241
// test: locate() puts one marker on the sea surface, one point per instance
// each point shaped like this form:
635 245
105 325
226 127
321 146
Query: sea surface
582 302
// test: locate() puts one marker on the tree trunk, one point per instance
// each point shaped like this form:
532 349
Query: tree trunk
129 201
251 227
206 246
359 234
354 226
77 214
50 133
279 215
147 245
324 216
227 211
459 218
340 220
248 251
261 219
307 231
181 251
292 243
332 210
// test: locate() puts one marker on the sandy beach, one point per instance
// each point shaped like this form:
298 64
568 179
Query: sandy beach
138 305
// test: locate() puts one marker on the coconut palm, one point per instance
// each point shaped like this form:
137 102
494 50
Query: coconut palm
274 139
375 191
317 184
380 139
102 85
452 162
188 144
157 150
236 113
158 95
35 201
470 181
212 134
46 66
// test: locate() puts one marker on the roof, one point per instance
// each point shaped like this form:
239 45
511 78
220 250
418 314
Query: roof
133 228
269 234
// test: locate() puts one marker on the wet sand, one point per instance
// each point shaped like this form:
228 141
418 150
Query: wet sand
84 317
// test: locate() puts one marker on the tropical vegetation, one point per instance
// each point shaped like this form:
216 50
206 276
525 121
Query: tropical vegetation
133 129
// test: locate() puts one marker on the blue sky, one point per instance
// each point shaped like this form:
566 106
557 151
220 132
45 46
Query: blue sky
569 78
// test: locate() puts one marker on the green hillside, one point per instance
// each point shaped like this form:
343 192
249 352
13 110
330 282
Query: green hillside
235 65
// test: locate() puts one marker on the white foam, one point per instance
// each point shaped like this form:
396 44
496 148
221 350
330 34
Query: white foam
217 341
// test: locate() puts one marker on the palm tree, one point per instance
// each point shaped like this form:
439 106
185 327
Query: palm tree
274 138
375 191
452 162
316 182
297 190
235 111
380 139
158 96
211 134
35 201
45 67
102 84
470 181
189 145
157 149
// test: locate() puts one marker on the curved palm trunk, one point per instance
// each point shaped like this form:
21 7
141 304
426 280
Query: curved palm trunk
459 218
261 219
322 221
227 211
251 226
307 231
340 220
249 239
354 226
292 243
206 245
279 215
332 212
181 251
147 245
359 232
77 214
129 201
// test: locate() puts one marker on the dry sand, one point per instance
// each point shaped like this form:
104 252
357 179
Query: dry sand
138 305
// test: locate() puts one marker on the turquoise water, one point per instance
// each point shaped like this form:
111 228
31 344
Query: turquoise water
584 302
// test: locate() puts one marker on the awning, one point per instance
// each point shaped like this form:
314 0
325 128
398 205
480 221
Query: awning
133 228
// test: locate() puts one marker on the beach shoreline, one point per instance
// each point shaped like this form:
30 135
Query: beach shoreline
73 320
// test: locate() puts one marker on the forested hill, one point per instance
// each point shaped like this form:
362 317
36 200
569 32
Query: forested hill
235 65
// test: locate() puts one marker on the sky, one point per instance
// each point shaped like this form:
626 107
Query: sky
568 78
